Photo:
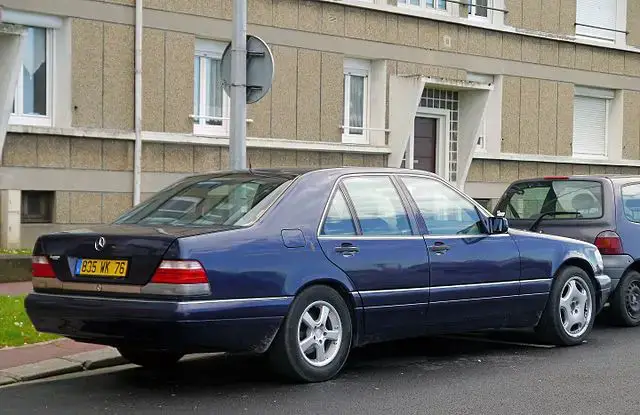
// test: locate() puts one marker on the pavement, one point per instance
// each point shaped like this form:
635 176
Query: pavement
42 360
489 374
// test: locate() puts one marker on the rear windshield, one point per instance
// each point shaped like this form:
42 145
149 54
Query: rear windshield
562 199
234 199
631 201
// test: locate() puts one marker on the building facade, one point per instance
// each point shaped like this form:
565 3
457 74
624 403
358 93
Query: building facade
482 92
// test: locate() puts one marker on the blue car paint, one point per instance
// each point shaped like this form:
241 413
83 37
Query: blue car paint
392 285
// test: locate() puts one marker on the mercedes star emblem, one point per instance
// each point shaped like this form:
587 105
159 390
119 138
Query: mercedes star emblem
100 243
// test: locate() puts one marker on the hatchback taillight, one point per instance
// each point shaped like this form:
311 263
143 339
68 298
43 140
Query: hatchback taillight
180 272
41 268
609 243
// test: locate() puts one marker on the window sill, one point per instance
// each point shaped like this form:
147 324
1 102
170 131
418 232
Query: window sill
482 24
30 120
211 131
355 139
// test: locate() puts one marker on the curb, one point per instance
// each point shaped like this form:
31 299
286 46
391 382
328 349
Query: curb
96 359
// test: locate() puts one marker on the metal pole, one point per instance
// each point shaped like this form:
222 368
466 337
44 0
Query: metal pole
137 151
238 127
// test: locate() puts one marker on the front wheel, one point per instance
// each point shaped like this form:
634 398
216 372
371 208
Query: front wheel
150 359
315 338
625 301
570 312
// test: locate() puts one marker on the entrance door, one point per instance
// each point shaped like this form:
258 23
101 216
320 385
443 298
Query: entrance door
424 144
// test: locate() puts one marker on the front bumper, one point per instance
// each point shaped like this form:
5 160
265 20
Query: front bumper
242 325
604 290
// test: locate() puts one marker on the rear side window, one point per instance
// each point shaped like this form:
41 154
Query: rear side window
338 221
631 202
531 199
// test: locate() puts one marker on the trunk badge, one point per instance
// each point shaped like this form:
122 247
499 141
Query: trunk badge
100 243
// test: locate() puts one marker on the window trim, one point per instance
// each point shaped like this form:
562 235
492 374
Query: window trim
50 60
603 94
210 48
361 68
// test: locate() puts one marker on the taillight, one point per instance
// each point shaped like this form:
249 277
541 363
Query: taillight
41 268
180 272
609 243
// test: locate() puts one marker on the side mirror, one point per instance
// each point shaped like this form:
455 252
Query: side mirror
498 225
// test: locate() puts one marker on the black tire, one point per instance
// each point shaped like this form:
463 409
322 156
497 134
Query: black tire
550 327
150 359
285 354
625 301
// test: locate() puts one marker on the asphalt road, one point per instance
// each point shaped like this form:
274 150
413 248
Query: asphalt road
424 376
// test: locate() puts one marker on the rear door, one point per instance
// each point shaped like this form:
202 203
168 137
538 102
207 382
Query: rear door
368 233
475 276
578 208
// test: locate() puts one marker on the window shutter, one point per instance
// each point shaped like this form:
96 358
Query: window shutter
600 13
589 126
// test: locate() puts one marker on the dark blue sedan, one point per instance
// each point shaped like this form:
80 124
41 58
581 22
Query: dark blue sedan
305 265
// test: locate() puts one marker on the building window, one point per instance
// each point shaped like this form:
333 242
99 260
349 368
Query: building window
33 95
591 122
424 4
356 102
210 101
597 19
478 9
37 206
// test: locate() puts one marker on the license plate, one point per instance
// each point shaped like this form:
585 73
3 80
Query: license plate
102 268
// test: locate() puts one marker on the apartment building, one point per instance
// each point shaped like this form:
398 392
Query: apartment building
482 92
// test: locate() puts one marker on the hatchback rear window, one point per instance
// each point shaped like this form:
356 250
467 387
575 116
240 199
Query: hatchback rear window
561 199
631 202
232 199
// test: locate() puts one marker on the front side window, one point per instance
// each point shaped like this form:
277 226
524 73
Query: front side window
444 211
210 101
378 206
235 200
631 202
559 199
356 95
32 101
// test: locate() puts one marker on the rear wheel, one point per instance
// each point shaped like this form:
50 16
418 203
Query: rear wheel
151 359
315 338
625 301
570 312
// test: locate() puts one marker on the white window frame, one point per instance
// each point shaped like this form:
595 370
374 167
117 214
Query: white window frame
472 10
619 37
448 7
362 68
18 118
210 49
606 95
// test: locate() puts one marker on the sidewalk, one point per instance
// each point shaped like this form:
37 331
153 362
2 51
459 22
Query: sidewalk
52 358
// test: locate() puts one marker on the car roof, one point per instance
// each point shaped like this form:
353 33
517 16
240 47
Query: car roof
600 177
290 173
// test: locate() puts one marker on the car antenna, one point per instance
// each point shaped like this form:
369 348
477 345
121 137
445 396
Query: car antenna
249 163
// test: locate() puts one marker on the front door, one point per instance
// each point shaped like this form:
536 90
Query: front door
425 132
475 276
369 235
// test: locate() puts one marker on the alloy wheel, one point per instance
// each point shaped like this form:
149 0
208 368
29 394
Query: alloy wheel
575 306
319 333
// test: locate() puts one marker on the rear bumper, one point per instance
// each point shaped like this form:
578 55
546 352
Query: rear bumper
242 325
615 266
605 283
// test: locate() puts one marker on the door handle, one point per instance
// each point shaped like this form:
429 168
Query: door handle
439 248
347 249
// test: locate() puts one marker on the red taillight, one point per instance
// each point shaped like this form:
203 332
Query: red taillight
41 268
609 243
180 272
